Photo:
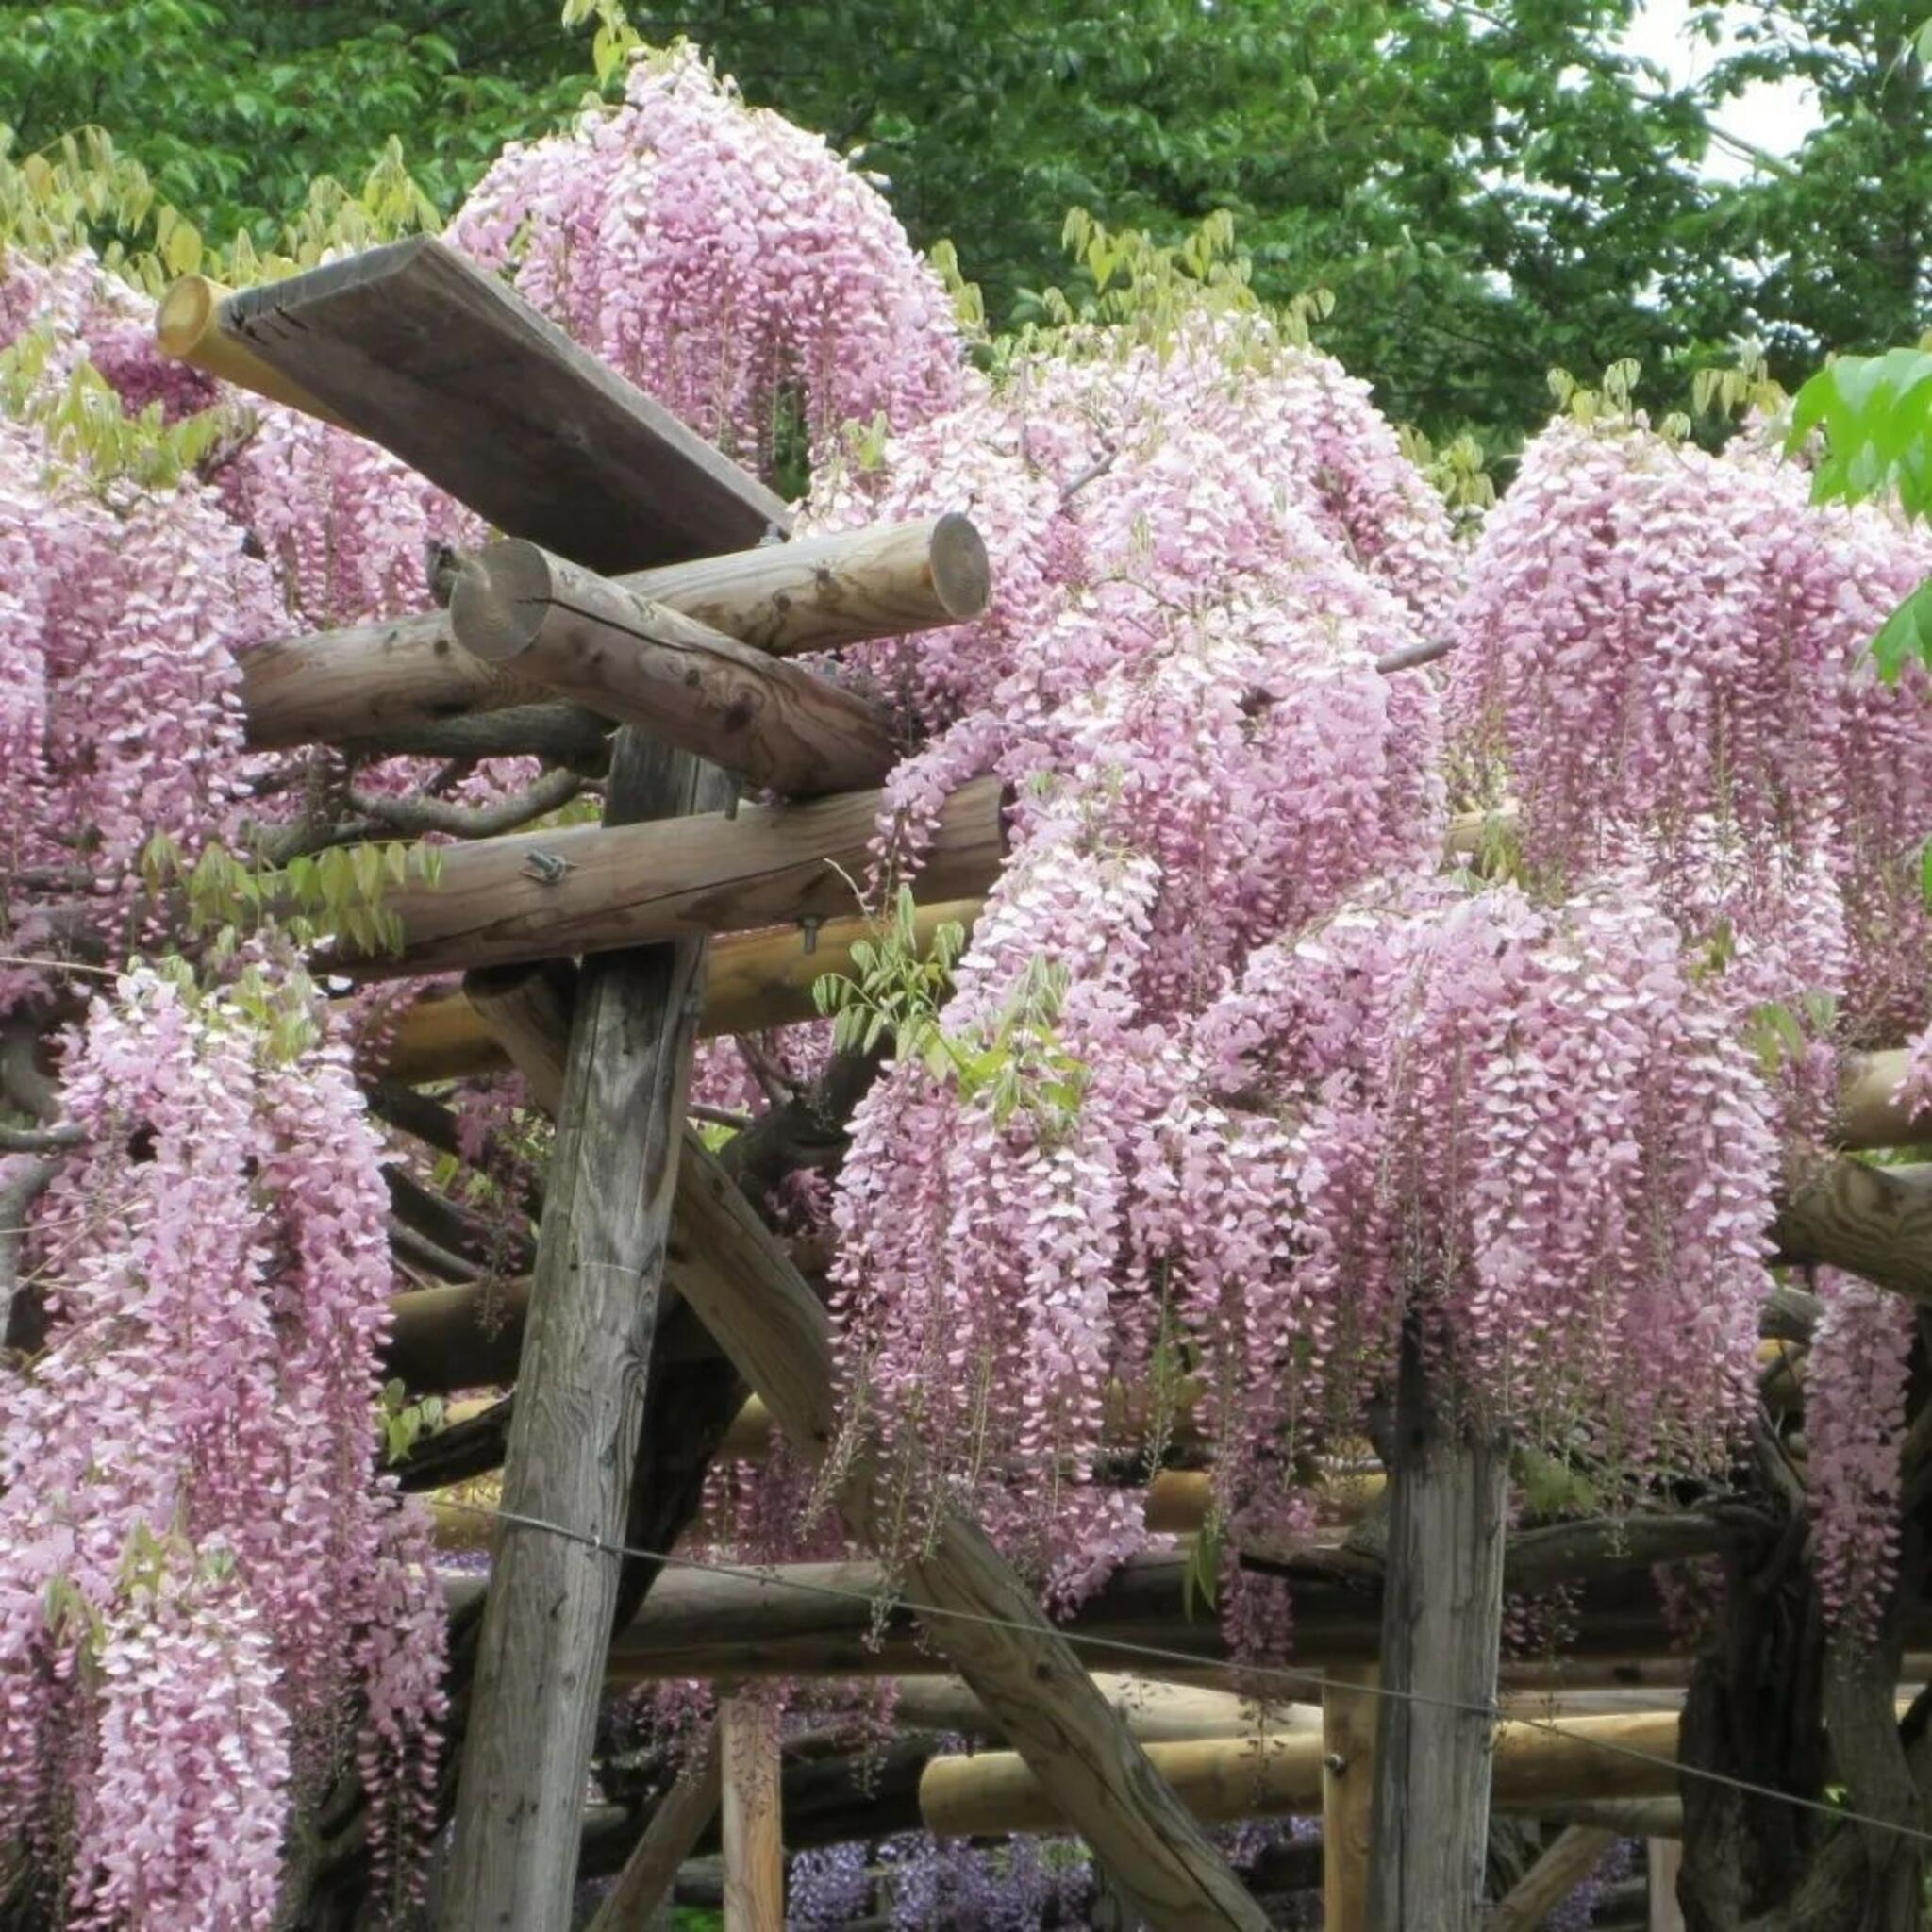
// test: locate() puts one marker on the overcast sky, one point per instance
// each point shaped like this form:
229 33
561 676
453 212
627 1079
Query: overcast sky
1775 117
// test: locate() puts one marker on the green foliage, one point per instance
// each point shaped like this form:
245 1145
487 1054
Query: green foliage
1015 1063
403 1422
1872 415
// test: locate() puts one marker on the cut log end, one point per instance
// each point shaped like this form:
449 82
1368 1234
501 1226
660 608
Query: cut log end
186 314
501 600
961 572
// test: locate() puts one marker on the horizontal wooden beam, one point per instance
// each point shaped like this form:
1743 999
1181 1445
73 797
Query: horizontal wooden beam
593 888
1874 1222
442 363
776 725
754 980
381 685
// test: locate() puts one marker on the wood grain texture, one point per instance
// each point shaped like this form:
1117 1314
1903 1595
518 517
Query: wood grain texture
373 681
1663 1859
754 1843
446 366
188 327
774 724
581 1388
679 1821
1349 1714
753 980
1441 1631
741 1283
1223 1780
592 888
1871 1221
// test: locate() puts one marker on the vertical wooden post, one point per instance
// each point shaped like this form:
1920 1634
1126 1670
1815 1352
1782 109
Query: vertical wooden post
1442 1628
580 1390
1664 1859
1349 1719
675 1826
753 1832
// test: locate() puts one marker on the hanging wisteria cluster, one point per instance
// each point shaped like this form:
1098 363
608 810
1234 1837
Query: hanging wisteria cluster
200 1575
727 262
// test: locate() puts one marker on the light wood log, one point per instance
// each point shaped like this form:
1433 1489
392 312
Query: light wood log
1576 1853
1442 1630
753 980
1644 1818
1868 1113
679 1821
1223 1780
778 727
753 1841
367 684
445 365
741 1284
1349 1719
580 1390
592 888
188 327
1664 1862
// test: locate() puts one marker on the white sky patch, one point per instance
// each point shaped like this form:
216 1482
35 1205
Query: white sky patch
1775 117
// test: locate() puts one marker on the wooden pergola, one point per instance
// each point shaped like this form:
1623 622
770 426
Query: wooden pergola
642 610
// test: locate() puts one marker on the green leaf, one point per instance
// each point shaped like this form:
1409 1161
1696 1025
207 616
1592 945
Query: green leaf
1906 634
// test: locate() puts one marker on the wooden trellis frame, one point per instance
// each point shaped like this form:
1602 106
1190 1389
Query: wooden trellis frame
446 367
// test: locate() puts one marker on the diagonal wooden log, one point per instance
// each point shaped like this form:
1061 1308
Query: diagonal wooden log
1575 1855
733 1272
680 1820
778 726
445 365
368 683
592 888
573 1440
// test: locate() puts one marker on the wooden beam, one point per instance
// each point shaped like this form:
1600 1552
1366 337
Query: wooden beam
682 1819
776 725
753 1840
1868 1113
367 683
1664 1862
592 888
1871 1221
753 980
1225 1779
1442 1629
581 1388
1349 1718
739 1282
188 327
1576 1853
445 365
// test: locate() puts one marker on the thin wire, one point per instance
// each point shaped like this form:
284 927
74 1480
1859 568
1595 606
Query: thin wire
1154 1653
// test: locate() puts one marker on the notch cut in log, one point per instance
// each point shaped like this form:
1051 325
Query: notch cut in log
1226 1779
1441 1636
374 684
579 1410
447 367
592 888
778 727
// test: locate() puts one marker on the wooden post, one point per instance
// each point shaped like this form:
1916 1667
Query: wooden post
1349 1718
1564 1865
679 1820
1664 1859
592 888
1441 1631
778 726
365 684
581 1388
754 1843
